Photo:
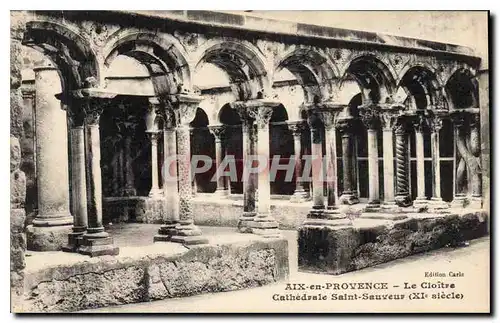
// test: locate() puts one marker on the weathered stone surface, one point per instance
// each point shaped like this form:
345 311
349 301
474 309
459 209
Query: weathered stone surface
329 251
16 112
47 238
17 218
166 270
90 290
17 176
223 273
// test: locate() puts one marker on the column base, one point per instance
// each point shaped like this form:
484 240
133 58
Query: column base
47 238
389 206
385 216
300 196
332 217
265 226
221 192
459 202
475 202
245 222
189 240
74 241
53 220
403 200
97 244
348 199
373 206
166 232
129 192
437 205
155 193
187 228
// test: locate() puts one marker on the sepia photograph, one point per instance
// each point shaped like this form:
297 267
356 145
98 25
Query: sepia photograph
207 161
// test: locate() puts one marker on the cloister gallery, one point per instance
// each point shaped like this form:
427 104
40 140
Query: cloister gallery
100 101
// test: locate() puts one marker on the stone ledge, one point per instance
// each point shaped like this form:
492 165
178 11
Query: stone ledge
371 242
61 282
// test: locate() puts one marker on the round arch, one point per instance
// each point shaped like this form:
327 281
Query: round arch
244 65
70 52
421 83
164 58
461 89
373 76
312 69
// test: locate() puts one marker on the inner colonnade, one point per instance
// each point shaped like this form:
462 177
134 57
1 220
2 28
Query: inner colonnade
390 134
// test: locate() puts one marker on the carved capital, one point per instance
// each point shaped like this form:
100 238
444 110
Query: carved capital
389 116
297 128
459 119
153 136
92 112
370 116
185 106
219 132
345 126
76 115
435 120
259 111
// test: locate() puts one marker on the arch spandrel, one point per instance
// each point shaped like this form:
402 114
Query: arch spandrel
245 64
161 53
313 69
71 53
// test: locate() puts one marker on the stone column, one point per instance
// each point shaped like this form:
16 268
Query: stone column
95 242
52 224
316 127
264 223
249 180
419 124
155 187
129 189
460 190
348 195
476 169
402 198
170 179
187 232
332 215
388 119
369 116
219 134
300 194
436 123
79 189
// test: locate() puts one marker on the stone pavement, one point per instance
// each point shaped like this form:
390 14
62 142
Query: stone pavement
472 261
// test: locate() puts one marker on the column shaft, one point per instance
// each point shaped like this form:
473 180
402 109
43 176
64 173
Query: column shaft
170 189
129 171
387 137
402 183
249 182
317 171
436 172
373 182
187 231
419 147
300 194
95 242
348 195
155 189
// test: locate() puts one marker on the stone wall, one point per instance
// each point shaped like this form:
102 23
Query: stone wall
17 176
336 251
165 271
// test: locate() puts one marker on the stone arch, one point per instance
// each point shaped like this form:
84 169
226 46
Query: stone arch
374 77
164 58
243 63
313 70
420 82
461 89
70 52
227 115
